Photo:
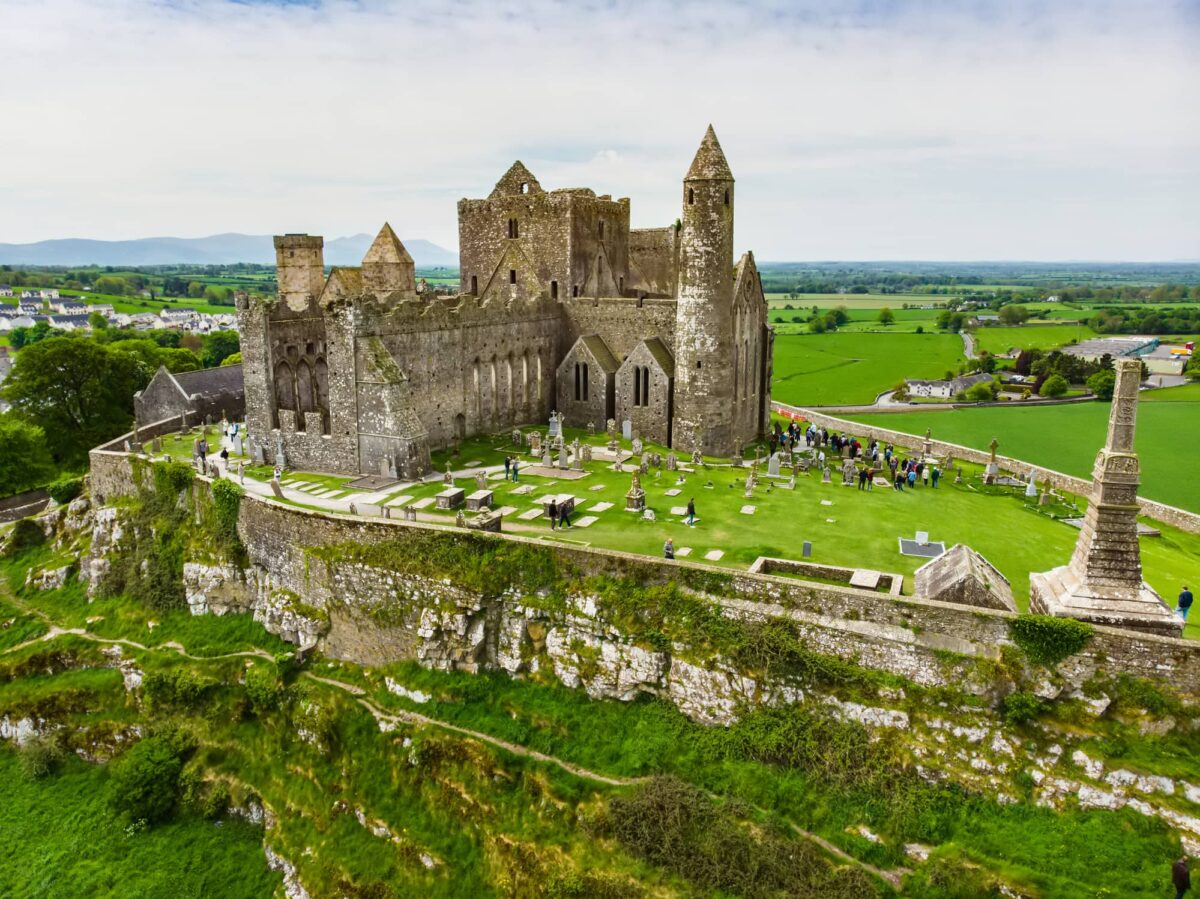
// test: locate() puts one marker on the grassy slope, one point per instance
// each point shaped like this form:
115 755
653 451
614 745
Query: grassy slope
61 839
821 369
1001 340
1066 438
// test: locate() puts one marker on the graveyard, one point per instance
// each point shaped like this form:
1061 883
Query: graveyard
843 526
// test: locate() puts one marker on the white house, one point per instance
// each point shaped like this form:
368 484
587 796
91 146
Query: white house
5 290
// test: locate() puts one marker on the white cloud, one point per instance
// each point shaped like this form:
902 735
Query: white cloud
986 130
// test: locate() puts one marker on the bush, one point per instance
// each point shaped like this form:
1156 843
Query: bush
1047 640
1054 386
264 688
25 535
1021 706
175 687
40 755
145 779
1102 383
227 500
64 490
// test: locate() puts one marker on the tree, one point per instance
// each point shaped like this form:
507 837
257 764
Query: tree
217 345
28 460
112 284
1014 315
195 290
816 324
1054 386
232 359
79 392
97 321
980 393
1102 384
886 316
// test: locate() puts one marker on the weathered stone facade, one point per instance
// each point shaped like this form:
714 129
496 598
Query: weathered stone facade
210 392
361 372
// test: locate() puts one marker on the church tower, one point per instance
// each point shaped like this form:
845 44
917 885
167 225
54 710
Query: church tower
704 340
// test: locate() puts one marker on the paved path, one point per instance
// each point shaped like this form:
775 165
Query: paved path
968 344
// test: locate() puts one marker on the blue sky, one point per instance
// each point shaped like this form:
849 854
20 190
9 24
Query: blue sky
869 130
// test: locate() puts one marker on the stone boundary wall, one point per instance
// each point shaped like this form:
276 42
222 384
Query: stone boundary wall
899 408
876 630
110 469
20 505
1172 515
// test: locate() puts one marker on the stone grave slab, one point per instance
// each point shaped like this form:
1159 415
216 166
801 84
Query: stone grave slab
549 471
422 503
479 499
882 482
715 555
683 551
370 510
679 510
372 483
674 491
506 510
523 490
601 507
921 550
597 487
748 510
400 501
868 580
451 498
586 521
826 502
530 514
474 463
276 489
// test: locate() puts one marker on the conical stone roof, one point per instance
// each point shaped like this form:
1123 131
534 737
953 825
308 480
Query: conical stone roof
710 163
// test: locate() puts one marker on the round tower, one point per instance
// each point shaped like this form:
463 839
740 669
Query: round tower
704 346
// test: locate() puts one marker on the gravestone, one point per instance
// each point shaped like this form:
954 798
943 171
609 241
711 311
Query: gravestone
555 424
535 443
591 428
481 480
451 498
656 460
237 445
627 429
637 446
697 458
611 427
562 457
643 468
825 476
448 477
672 462
773 466
848 473
1031 488
479 499
806 549
612 445
546 462
635 499
964 577
280 455
128 447
460 519
276 489
156 445
993 467
958 475
517 440
587 453
259 456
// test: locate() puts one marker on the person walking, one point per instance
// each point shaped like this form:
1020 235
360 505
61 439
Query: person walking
564 515
553 513
225 458
1181 877
1185 603
508 461
934 475
515 463
691 513
669 549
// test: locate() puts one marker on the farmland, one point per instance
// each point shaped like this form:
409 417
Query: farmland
1066 438
823 369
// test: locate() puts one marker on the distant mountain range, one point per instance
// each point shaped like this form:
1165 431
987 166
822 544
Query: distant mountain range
219 249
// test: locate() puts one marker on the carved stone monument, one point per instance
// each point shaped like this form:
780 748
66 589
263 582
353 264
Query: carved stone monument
611 427
1103 582
635 499
637 446
672 462
481 480
535 443
448 477
993 467
773 465
849 472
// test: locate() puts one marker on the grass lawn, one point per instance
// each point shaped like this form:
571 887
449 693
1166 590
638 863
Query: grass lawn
823 369
1028 337
62 840
1067 438
856 530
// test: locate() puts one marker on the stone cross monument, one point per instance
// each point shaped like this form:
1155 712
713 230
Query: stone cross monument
1103 581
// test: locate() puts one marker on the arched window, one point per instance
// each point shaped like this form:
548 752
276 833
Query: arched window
512 276
643 376
737 369
539 378
285 388
477 388
637 385
574 290
621 285
492 369
321 375
475 284
305 401
578 382
727 196
514 229
508 385
525 378
691 197
585 381
554 290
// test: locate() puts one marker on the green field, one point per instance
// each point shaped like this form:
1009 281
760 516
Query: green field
1026 337
1066 438
824 369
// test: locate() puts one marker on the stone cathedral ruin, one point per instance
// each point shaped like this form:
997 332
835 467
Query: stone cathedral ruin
561 307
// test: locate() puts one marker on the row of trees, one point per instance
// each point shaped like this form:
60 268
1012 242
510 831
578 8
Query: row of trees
1145 320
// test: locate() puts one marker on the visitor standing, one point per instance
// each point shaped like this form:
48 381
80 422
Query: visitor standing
225 457
669 549
564 515
553 512
508 461
925 475
912 479
862 479
691 513
1185 602
1181 877
515 463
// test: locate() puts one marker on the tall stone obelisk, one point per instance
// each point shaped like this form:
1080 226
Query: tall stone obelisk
1103 581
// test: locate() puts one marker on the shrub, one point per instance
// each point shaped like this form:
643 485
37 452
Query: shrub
227 500
264 688
1054 386
171 479
145 780
1047 640
64 490
1021 706
40 755
174 687
25 535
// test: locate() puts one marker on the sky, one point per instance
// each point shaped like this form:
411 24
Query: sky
976 129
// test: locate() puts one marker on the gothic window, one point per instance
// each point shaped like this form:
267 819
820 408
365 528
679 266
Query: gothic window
525 378
691 196
285 395
727 196
578 382
641 385
478 389
539 378
321 376
585 381
305 401
554 290
736 368
474 284
494 386
513 228
574 290
508 377
524 188
512 276
637 386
